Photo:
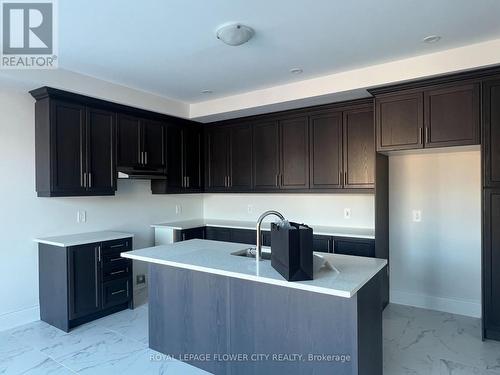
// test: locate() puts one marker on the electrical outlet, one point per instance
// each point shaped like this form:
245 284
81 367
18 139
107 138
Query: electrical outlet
347 213
140 279
81 216
249 208
178 209
417 216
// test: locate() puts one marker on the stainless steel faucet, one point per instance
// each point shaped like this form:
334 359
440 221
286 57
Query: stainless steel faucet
258 252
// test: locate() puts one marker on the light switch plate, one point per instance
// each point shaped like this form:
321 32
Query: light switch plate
178 209
81 216
417 216
347 213
249 208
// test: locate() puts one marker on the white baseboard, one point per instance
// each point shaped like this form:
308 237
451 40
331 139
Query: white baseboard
17 318
450 305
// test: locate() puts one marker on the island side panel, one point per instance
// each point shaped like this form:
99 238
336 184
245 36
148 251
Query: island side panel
188 314
278 320
370 339
199 313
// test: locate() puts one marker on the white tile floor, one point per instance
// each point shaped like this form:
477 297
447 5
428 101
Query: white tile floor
416 341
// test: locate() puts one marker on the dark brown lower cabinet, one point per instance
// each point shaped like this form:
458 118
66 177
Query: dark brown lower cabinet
354 246
491 264
81 283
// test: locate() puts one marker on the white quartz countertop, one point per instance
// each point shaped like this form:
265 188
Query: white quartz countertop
82 238
215 257
368 233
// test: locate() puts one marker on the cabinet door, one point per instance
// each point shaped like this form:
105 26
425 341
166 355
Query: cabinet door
452 116
491 133
266 167
359 149
354 246
326 150
68 148
217 173
399 120
100 151
245 236
84 280
218 234
491 264
240 158
322 243
129 147
153 139
192 233
175 173
192 158
294 153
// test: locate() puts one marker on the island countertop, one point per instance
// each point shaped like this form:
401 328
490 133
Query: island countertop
215 257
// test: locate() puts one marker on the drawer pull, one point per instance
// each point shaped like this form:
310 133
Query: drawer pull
117 272
118 245
115 259
118 292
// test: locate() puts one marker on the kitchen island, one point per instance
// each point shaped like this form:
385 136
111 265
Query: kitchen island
228 315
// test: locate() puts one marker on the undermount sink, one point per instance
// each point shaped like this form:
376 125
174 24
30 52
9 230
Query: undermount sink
250 253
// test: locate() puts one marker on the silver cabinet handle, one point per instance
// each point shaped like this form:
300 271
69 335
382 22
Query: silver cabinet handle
188 181
117 272
118 245
115 259
229 181
90 180
426 134
145 157
99 249
118 292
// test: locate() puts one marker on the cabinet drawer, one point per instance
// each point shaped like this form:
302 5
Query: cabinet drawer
117 270
322 243
124 244
115 292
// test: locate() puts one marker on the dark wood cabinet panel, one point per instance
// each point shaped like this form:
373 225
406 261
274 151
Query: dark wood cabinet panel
294 153
266 168
192 155
354 246
116 292
359 148
217 172
245 236
399 121
218 234
326 150
100 150
192 233
491 264
452 116
84 280
129 141
240 158
153 144
491 133
68 147
323 243
175 170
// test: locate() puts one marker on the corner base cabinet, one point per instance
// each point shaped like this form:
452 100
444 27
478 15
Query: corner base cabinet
84 282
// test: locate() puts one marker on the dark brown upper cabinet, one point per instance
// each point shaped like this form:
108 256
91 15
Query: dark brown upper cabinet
217 160
229 158
452 116
184 160
326 150
74 149
436 116
240 158
491 133
266 165
141 143
359 148
294 155
399 121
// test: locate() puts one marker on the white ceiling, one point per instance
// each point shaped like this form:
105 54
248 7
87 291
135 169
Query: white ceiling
169 47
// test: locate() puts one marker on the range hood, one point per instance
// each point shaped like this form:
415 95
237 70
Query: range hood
141 174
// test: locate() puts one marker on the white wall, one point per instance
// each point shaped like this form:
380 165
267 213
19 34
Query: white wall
23 216
436 263
319 209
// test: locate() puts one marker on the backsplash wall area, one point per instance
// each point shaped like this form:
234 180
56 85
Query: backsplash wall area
319 209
